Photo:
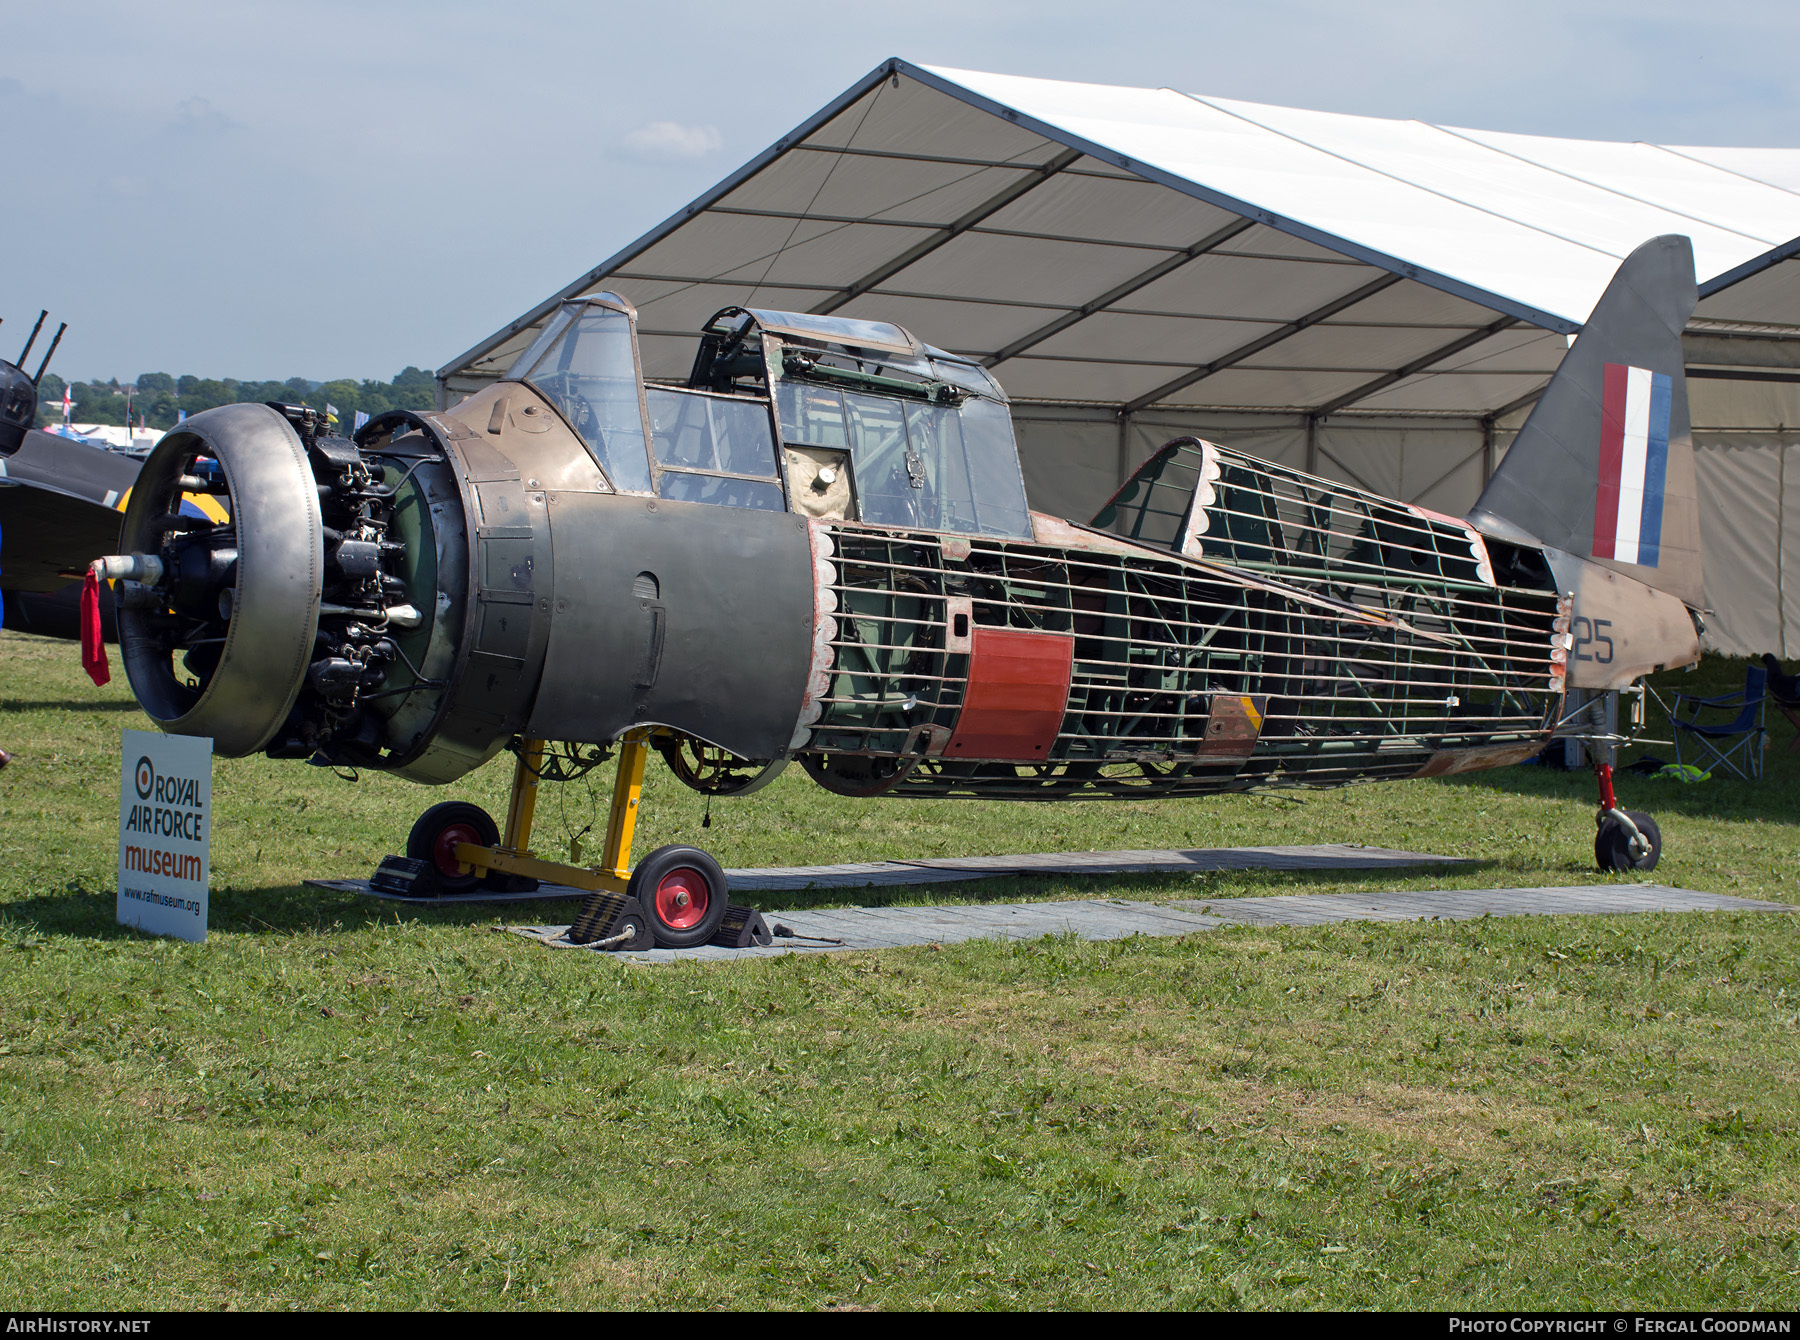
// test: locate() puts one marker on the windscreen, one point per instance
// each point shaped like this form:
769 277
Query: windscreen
589 372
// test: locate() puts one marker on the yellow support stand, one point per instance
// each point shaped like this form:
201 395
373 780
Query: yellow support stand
621 819
523 805
514 855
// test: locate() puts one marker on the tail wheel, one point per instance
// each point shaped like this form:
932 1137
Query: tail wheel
682 891
1612 844
440 830
716 772
857 775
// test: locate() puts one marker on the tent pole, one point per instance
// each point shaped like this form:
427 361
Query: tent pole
1489 439
1312 444
1781 634
1124 446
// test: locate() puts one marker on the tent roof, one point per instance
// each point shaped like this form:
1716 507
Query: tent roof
1144 247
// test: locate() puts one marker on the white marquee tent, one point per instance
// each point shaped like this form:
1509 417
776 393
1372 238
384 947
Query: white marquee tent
1372 300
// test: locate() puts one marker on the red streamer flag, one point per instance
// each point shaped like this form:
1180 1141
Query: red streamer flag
93 641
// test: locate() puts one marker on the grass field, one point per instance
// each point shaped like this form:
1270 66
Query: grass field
334 1104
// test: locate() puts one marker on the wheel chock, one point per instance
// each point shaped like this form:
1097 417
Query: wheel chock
404 877
608 916
742 927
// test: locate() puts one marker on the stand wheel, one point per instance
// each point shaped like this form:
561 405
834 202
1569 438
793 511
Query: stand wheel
682 892
435 836
1612 844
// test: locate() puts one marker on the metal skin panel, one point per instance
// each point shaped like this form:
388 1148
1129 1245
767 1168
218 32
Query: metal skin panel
505 442
1018 688
1619 629
722 650
509 431
1233 723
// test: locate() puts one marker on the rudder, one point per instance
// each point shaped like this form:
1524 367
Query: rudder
1604 466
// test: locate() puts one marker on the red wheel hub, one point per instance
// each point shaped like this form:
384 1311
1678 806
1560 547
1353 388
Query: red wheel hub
443 851
682 899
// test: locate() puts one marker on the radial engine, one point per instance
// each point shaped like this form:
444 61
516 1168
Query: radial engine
325 617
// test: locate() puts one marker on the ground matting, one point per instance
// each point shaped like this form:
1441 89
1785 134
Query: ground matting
851 928
952 869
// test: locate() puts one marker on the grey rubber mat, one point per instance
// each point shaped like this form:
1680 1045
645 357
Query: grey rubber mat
851 928
931 870
953 869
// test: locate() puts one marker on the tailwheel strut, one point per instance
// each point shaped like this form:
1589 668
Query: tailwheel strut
1627 839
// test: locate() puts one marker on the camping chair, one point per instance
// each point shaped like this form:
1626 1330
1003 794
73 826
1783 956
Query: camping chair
1736 744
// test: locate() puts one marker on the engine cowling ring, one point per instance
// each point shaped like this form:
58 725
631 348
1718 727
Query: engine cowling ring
269 637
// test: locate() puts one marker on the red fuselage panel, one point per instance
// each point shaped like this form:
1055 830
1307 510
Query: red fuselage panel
1018 689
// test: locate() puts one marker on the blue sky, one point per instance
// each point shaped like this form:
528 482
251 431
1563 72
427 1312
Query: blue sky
335 189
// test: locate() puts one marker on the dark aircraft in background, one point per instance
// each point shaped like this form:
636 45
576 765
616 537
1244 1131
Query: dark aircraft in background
60 504
819 550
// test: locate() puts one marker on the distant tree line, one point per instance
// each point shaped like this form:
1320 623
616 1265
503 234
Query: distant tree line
159 398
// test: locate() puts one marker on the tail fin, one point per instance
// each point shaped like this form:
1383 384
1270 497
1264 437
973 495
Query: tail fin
1604 466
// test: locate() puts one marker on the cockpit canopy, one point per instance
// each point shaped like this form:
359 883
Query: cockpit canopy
735 336
820 415
18 407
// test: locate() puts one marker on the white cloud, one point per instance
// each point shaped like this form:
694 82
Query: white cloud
662 141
